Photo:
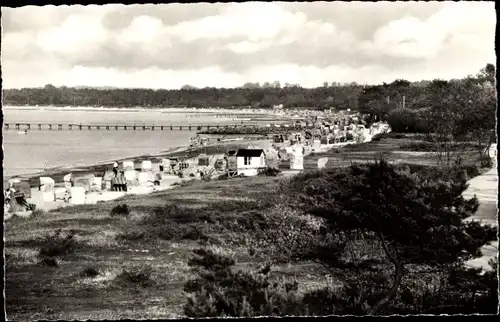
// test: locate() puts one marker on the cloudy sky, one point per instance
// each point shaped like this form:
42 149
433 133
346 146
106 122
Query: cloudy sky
227 45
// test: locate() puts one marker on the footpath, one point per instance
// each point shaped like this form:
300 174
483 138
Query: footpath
485 187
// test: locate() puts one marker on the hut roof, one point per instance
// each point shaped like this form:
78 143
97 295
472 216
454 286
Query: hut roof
249 152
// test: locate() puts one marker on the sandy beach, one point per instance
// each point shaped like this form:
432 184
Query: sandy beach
57 173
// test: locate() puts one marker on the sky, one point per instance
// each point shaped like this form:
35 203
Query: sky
230 44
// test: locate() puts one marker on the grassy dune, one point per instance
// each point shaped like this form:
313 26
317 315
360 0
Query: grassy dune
216 214
396 150
34 291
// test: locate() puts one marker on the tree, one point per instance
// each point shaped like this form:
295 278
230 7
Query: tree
462 110
409 219
478 123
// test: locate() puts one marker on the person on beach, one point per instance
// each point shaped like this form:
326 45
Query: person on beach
115 168
7 195
161 165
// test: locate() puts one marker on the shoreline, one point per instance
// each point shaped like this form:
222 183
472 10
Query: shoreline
57 173
142 109
96 166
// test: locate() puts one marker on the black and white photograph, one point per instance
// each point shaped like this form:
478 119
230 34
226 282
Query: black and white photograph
249 159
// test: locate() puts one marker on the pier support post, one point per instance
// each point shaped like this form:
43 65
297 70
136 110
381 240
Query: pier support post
17 126
70 127
98 127
161 128
208 127
50 126
134 127
190 128
116 127
80 126
90 127
180 128
144 128
6 126
59 126
125 127
152 128
29 126
39 126
199 128
107 127
171 128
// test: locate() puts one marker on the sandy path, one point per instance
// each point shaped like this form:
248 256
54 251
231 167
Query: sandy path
485 187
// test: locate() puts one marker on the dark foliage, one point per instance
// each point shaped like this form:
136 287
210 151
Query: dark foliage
390 135
120 210
55 245
220 291
90 271
137 276
48 262
407 121
414 219
269 172
266 96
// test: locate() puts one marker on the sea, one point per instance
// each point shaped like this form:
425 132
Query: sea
38 150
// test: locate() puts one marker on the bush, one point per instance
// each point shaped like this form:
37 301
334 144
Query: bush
220 291
120 210
133 235
55 245
171 222
269 172
436 173
48 262
407 121
390 135
90 271
137 276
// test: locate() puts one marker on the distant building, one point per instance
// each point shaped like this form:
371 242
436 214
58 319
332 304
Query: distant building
249 161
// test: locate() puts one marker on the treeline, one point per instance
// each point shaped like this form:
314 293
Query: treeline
342 97
377 100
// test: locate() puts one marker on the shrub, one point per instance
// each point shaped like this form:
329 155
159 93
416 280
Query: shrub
193 232
471 169
220 291
486 162
284 233
172 222
407 121
55 245
269 172
90 271
137 276
48 262
133 235
390 135
37 213
120 210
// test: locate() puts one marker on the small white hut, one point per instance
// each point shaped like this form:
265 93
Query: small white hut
249 161
297 158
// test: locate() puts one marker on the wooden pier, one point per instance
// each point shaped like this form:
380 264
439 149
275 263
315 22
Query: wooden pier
127 127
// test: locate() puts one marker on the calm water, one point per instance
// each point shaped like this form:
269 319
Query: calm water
41 149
